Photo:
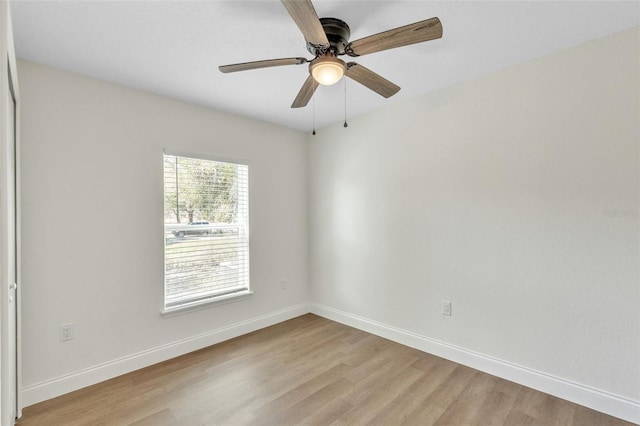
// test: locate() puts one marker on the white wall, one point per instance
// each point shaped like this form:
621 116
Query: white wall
93 240
515 196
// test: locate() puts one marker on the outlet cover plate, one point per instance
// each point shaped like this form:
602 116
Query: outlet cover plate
446 308
66 332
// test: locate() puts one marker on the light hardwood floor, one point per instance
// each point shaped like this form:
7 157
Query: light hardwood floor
309 370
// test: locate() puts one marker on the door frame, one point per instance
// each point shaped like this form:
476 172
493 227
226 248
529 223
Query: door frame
10 390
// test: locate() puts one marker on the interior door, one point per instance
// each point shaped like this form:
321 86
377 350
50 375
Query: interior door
9 224
11 244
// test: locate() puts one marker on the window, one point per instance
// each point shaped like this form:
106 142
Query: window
206 231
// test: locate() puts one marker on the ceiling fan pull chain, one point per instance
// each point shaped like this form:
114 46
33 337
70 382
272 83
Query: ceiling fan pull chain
345 103
313 107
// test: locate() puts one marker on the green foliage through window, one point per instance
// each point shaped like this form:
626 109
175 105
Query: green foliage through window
197 190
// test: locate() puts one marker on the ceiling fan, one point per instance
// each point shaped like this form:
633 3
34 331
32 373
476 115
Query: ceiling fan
328 38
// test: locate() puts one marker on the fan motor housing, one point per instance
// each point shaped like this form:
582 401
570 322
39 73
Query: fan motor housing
338 34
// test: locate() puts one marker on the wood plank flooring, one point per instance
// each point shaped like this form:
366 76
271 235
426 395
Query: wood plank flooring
311 371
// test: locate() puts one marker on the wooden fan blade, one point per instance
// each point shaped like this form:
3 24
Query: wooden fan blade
370 79
261 64
306 18
417 32
306 92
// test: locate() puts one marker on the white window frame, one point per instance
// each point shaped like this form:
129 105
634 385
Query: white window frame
214 300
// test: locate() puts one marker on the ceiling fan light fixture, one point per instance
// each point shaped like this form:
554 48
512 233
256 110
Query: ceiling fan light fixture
328 38
327 70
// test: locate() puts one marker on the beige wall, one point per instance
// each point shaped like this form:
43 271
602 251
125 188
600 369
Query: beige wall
515 196
92 203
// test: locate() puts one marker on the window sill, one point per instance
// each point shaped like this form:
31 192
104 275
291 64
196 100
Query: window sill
222 300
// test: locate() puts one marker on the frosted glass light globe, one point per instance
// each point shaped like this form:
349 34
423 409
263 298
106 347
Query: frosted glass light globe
327 70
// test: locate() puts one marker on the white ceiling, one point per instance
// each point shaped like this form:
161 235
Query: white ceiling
173 48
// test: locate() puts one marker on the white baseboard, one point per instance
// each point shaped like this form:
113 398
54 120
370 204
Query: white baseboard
598 400
77 380
605 402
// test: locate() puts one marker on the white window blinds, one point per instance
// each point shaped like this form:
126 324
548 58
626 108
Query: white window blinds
206 230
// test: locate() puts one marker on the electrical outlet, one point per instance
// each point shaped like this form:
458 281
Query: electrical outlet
283 284
66 332
446 307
